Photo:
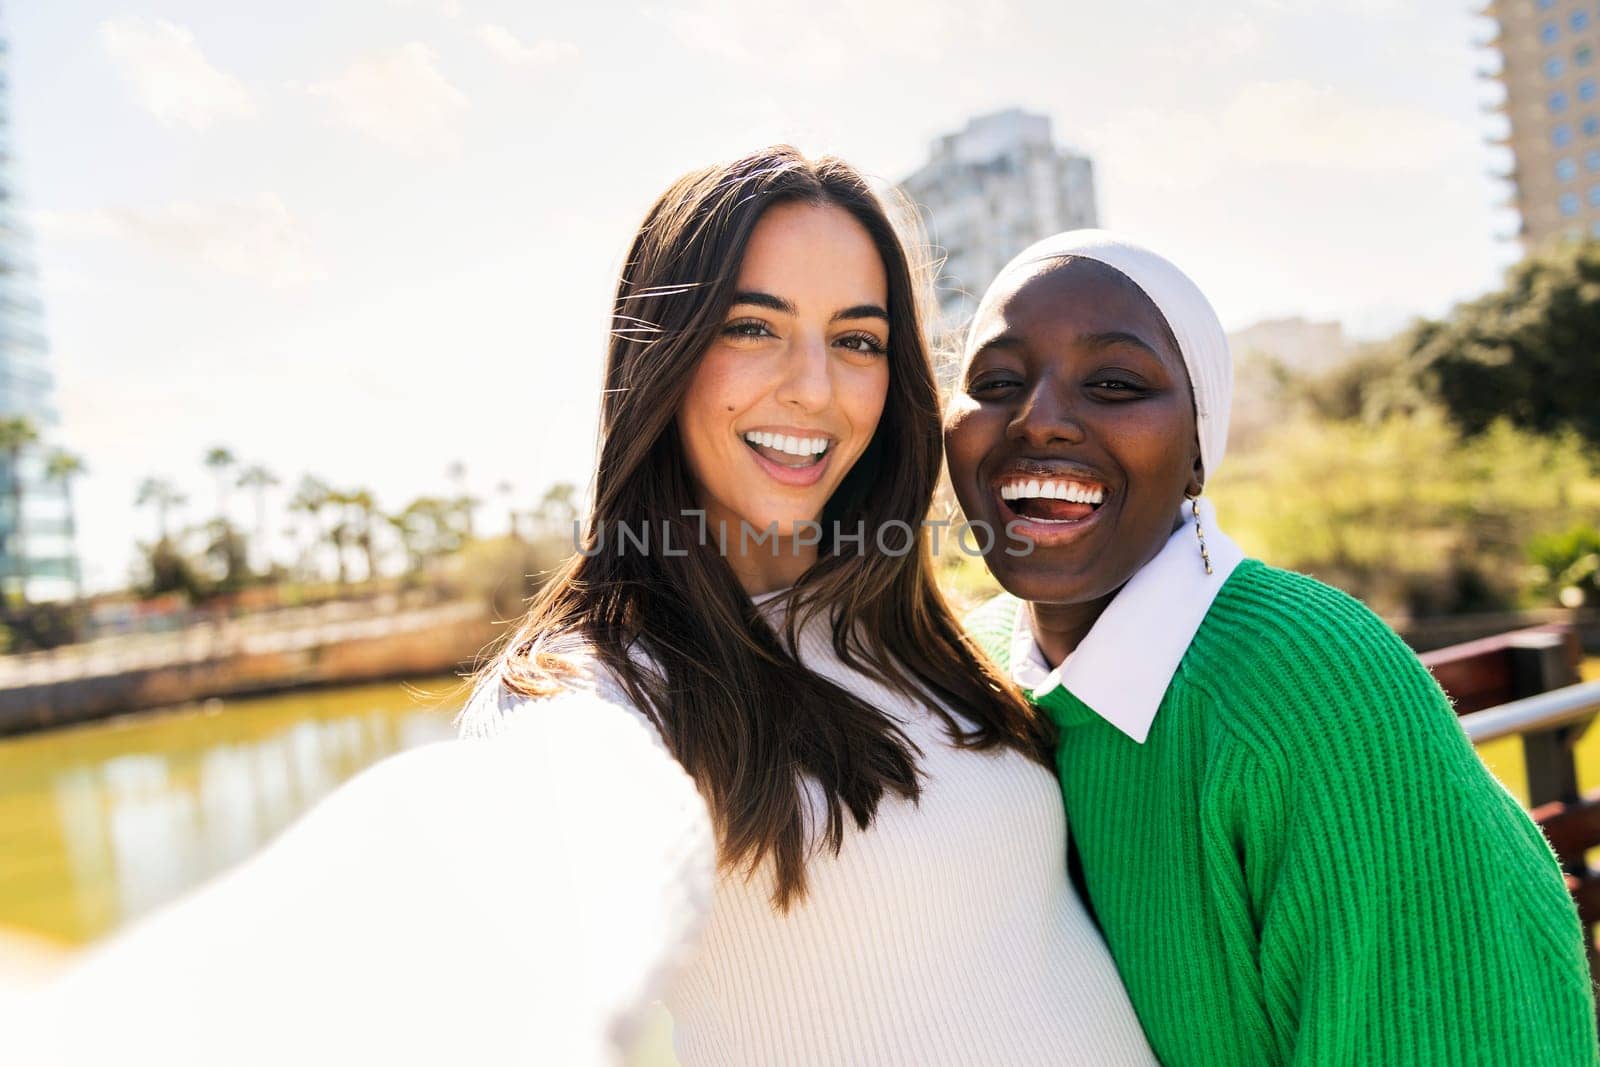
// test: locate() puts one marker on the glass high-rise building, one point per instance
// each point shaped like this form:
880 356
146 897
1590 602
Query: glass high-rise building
37 554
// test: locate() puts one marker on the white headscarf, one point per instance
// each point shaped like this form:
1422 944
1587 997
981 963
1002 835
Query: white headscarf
1201 340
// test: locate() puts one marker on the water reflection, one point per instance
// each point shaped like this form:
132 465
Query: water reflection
103 823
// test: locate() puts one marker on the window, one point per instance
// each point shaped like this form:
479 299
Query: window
1552 68
1594 228
1549 32
1561 136
1568 204
1583 55
1586 89
1591 160
1558 103
1546 5
1591 125
1579 20
1566 169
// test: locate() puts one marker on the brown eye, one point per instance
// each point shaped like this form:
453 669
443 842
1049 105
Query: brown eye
862 342
994 386
748 328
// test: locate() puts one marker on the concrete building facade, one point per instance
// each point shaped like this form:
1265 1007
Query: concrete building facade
1549 71
990 190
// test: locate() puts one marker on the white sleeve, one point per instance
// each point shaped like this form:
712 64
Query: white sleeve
519 900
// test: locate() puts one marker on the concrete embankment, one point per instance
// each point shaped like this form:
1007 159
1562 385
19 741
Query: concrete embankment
333 645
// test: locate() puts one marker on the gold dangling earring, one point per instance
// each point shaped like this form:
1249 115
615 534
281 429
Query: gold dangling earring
1205 557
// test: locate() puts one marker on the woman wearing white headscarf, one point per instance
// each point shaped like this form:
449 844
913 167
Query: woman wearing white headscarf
1291 847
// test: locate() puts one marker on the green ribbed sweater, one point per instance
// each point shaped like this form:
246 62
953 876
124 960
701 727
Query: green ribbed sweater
1306 862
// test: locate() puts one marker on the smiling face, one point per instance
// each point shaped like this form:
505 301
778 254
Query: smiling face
1075 419
788 397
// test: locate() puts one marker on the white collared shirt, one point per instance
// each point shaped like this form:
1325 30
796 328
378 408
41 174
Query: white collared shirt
1123 666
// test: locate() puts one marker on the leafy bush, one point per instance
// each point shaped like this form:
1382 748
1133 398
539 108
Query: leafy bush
1404 512
1567 564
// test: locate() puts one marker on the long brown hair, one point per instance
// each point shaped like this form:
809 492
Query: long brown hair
726 690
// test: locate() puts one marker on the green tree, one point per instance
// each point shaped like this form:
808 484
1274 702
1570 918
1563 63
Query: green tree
259 479
506 491
163 497
61 467
465 504
227 555
220 461
18 433
311 496
1528 352
366 509
557 508
342 533
169 571
428 529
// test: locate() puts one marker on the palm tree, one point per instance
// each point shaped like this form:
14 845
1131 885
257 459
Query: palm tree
367 508
428 529
163 496
342 533
557 508
310 497
464 502
260 479
17 434
61 466
220 460
505 489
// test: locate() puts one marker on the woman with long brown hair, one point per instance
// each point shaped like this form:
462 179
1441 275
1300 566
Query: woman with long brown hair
738 756
754 590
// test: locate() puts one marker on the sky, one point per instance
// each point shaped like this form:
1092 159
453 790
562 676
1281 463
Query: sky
369 238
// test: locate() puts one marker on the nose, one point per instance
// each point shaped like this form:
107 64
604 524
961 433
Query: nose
1046 417
807 383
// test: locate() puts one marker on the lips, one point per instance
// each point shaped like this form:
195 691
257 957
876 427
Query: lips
796 458
1051 503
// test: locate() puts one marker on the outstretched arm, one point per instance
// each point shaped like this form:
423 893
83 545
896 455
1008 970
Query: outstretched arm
510 901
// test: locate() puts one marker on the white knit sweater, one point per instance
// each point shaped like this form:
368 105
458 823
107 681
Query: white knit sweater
946 933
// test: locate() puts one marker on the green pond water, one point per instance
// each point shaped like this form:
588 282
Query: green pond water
102 822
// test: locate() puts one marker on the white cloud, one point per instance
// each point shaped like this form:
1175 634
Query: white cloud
505 45
171 76
257 238
398 97
1285 123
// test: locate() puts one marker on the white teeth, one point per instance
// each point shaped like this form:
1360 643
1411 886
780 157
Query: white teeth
1052 489
795 446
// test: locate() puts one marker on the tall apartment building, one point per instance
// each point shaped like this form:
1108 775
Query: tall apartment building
989 191
36 548
1551 78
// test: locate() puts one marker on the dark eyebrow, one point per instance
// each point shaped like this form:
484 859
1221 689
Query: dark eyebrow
999 340
861 311
764 300
1109 338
